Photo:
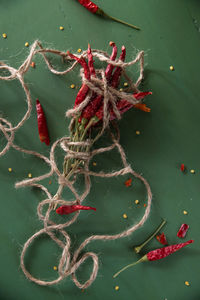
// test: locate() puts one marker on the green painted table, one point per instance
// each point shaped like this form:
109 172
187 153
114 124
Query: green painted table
169 136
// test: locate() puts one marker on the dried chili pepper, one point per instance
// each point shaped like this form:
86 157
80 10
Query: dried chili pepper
161 238
68 209
116 75
182 231
84 88
157 254
42 124
93 8
113 56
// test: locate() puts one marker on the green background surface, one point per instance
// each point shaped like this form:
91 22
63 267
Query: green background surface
169 136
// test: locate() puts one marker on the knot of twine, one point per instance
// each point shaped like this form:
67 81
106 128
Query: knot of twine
70 262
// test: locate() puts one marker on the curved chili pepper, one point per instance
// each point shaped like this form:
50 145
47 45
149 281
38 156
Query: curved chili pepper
116 76
68 209
84 88
42 124
93 8
113 56
157 254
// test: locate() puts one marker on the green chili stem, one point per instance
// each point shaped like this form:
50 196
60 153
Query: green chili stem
118 20
144 258
138 248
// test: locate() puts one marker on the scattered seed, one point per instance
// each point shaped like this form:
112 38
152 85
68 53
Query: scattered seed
55 268
61 28
9 169
192 171
121 90
26 44
4 35
171 68
187 283
125 83
94 164
32 64
72 86
137 201
125 216
185 212
116 288
29 175
79 50
137 132
182 168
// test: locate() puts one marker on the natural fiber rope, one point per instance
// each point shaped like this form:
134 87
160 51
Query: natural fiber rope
69 262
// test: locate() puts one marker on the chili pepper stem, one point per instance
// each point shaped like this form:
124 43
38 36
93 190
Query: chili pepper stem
144 258
102 13
139 248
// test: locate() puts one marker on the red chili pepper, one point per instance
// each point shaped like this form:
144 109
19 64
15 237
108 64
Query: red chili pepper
161 238
113 56
90 61
182 231
93 8
84 88
68 209
116 76
42 124
157 254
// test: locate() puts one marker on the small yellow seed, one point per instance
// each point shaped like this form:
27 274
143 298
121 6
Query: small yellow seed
187 283
55 268
171 68
10 169
137 201
61 28
125 216
125 83
137 132
116 288
94 164
192 171
29 175
121 90
79 50
26 44
185 212
4 35
72 86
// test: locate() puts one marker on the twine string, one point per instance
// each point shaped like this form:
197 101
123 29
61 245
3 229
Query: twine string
70 262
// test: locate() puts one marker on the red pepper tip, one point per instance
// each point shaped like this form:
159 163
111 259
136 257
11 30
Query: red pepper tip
37 101
112 44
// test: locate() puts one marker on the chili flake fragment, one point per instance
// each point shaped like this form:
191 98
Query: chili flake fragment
128 182
32 64
182 231
161 238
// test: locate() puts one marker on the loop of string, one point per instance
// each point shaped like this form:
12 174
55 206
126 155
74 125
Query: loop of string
68 262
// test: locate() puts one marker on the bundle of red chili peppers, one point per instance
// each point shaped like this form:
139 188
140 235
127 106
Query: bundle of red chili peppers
92 114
